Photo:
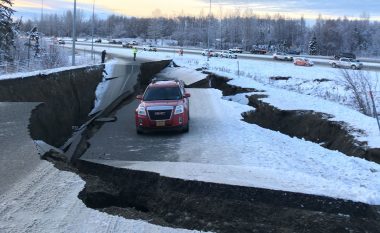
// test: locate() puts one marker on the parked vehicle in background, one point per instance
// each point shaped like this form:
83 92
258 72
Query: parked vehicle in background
115 42
294 52
228 54
346 63
98 41
163 106
208 52
346 55
258 51
133 42
150 48
60 41
282 56
301 61
216 54
236 50
127 45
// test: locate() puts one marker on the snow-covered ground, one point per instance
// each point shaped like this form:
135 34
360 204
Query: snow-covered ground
46 201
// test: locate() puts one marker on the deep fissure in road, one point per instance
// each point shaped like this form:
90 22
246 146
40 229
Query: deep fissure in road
66 98
309 125
216 207
208 206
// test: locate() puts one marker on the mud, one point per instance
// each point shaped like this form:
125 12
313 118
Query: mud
309 125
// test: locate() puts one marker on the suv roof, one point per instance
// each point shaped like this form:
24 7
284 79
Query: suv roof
166 82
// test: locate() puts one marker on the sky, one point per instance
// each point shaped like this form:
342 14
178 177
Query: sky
310 9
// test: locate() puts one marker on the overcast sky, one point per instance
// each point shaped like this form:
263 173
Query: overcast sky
147 8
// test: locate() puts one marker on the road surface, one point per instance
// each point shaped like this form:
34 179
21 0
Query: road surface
18 153
369 63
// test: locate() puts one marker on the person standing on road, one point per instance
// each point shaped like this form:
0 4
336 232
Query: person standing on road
104 56
134 53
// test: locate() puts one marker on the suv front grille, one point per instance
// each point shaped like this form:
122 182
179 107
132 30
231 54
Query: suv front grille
160 114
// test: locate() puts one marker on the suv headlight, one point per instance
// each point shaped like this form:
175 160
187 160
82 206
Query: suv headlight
141 111
179 109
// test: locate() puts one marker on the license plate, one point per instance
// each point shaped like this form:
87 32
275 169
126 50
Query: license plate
160 123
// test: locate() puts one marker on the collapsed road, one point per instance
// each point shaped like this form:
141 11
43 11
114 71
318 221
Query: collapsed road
137 175
214 178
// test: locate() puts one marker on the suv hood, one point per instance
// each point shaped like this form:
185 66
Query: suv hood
169 103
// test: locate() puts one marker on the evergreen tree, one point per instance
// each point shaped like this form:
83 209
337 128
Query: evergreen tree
313 46
6 30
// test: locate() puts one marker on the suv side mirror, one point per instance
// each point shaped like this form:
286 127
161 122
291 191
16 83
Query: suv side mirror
139 97
187 95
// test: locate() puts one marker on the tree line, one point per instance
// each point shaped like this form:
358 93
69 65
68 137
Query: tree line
235 28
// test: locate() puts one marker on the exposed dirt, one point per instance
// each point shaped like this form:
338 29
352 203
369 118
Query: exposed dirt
220 83
277 78
218 207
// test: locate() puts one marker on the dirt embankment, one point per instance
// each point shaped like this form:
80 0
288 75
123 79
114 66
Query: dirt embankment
66 97
217 207
149 69
312 126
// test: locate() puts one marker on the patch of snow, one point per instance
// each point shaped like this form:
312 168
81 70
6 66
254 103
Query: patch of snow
46 201
39 72
102 87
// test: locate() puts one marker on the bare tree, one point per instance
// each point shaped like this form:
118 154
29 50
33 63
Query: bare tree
360 85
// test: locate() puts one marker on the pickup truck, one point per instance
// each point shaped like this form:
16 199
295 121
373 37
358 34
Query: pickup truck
346 63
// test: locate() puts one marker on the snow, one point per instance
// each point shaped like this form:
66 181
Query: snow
39 72
302 91
102 87
46 201
189 76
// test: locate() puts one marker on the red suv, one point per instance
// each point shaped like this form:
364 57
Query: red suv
164 105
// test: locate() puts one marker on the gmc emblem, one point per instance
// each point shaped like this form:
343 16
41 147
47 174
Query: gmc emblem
159 113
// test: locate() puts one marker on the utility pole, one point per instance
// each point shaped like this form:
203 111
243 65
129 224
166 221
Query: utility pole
208 32
92 31
42 11
74 32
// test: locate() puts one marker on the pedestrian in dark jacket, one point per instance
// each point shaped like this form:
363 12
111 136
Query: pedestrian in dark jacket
104 56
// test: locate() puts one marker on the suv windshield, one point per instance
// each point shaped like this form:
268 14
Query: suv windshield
162 93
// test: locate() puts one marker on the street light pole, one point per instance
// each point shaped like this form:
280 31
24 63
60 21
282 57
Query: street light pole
42 10
208 32
74 32
92 31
